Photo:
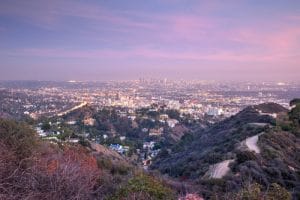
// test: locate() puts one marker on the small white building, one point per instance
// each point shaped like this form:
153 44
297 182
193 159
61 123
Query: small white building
122 138
156 132
145 130
172 122
71 122
40 131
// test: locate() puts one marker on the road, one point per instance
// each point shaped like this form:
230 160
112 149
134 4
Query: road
72 109
220 169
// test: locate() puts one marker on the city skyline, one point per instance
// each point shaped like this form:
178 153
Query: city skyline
117 40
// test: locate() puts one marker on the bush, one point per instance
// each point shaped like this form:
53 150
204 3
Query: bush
254 192
279 193
294 115
46 126
104 163
144 187
120 169
294 102
18 137
251 192
243 156
46 172
286 127
113 167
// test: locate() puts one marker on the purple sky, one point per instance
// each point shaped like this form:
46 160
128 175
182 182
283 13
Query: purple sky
189 39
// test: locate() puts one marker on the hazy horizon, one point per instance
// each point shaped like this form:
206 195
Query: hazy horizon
93 40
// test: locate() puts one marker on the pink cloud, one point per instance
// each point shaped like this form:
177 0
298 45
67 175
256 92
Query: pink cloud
149 53
190 27
151 36
277 42
293 18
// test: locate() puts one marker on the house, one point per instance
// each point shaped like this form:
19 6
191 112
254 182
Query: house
214 111
147 162
89 121
172 122
163 117
144 130
132 117
162 121
154 153
40 131
156 132
71 122
148 145
122 138
119 148
73 140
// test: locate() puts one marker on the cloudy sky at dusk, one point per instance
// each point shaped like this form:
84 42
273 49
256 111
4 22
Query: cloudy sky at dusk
118 39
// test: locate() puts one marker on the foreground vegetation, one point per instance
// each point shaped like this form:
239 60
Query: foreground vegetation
34 169
31 168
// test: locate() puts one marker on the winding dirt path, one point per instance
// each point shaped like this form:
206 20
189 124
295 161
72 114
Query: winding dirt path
251 144
220 169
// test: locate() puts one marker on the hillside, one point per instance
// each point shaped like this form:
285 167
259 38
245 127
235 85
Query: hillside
247 156
214 144
244 149
31 168
270 108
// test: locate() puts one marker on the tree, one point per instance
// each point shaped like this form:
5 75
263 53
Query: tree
46 126
294 115
173 114
294 102
18 137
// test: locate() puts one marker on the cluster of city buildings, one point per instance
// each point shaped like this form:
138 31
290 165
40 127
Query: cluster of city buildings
196 98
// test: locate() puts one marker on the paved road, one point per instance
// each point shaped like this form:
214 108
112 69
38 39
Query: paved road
72 109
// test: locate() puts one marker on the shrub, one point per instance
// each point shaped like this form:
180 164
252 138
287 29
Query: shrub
114 167
286 127
50 174
18 137
277 192
104 163
251 192
144 187
243 156
254 192
119 169
46 126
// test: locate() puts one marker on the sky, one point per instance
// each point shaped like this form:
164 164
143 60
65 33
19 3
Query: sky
253 40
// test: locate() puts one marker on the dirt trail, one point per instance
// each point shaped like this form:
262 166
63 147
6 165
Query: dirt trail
220 169
251 144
